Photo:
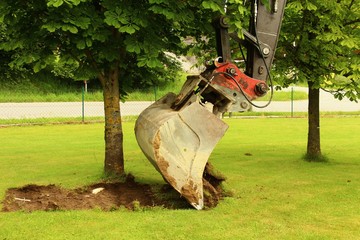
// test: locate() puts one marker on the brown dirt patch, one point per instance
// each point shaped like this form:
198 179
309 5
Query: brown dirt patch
128 194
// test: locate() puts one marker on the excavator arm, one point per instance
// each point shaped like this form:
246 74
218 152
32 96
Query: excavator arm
178 132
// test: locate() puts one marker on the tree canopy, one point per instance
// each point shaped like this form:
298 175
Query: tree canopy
84 39
319 45
319 42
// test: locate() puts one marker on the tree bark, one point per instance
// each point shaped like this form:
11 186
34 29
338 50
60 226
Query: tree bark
313 143
114 156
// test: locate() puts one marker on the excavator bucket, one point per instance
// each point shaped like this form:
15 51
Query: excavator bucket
178 133
178 142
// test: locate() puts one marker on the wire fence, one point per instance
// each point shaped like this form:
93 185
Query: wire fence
85 110
64 109
81 111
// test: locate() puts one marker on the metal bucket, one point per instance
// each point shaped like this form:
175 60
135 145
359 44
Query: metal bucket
179 142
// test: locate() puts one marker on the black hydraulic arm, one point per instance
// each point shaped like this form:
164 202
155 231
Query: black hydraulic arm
260 39
264 29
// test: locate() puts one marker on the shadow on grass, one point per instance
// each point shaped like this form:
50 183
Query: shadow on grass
319 158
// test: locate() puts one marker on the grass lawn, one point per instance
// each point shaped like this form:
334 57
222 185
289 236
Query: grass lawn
136 95
276 195
47 90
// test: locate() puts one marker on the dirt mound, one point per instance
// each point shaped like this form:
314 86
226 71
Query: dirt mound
106 196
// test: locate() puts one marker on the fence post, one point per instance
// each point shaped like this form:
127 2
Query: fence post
292 101
85 83
83 104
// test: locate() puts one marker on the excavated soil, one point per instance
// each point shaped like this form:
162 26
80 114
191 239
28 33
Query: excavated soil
107 196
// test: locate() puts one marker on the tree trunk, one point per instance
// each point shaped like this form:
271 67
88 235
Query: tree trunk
313 144
114 156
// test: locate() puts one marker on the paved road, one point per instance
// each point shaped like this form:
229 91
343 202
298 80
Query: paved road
327 104
64 109
74 109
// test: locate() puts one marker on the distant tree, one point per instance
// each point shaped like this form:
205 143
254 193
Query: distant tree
121 43
319 43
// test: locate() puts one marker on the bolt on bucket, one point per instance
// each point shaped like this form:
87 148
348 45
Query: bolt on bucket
179 142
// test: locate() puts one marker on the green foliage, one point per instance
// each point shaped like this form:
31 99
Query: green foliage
43 87
320 42
84 39
214 6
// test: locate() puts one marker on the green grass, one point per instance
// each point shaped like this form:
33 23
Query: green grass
72 120
276 194
44 121
285 96
136 95
59 120
288 114
151 95
54 91
73 96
